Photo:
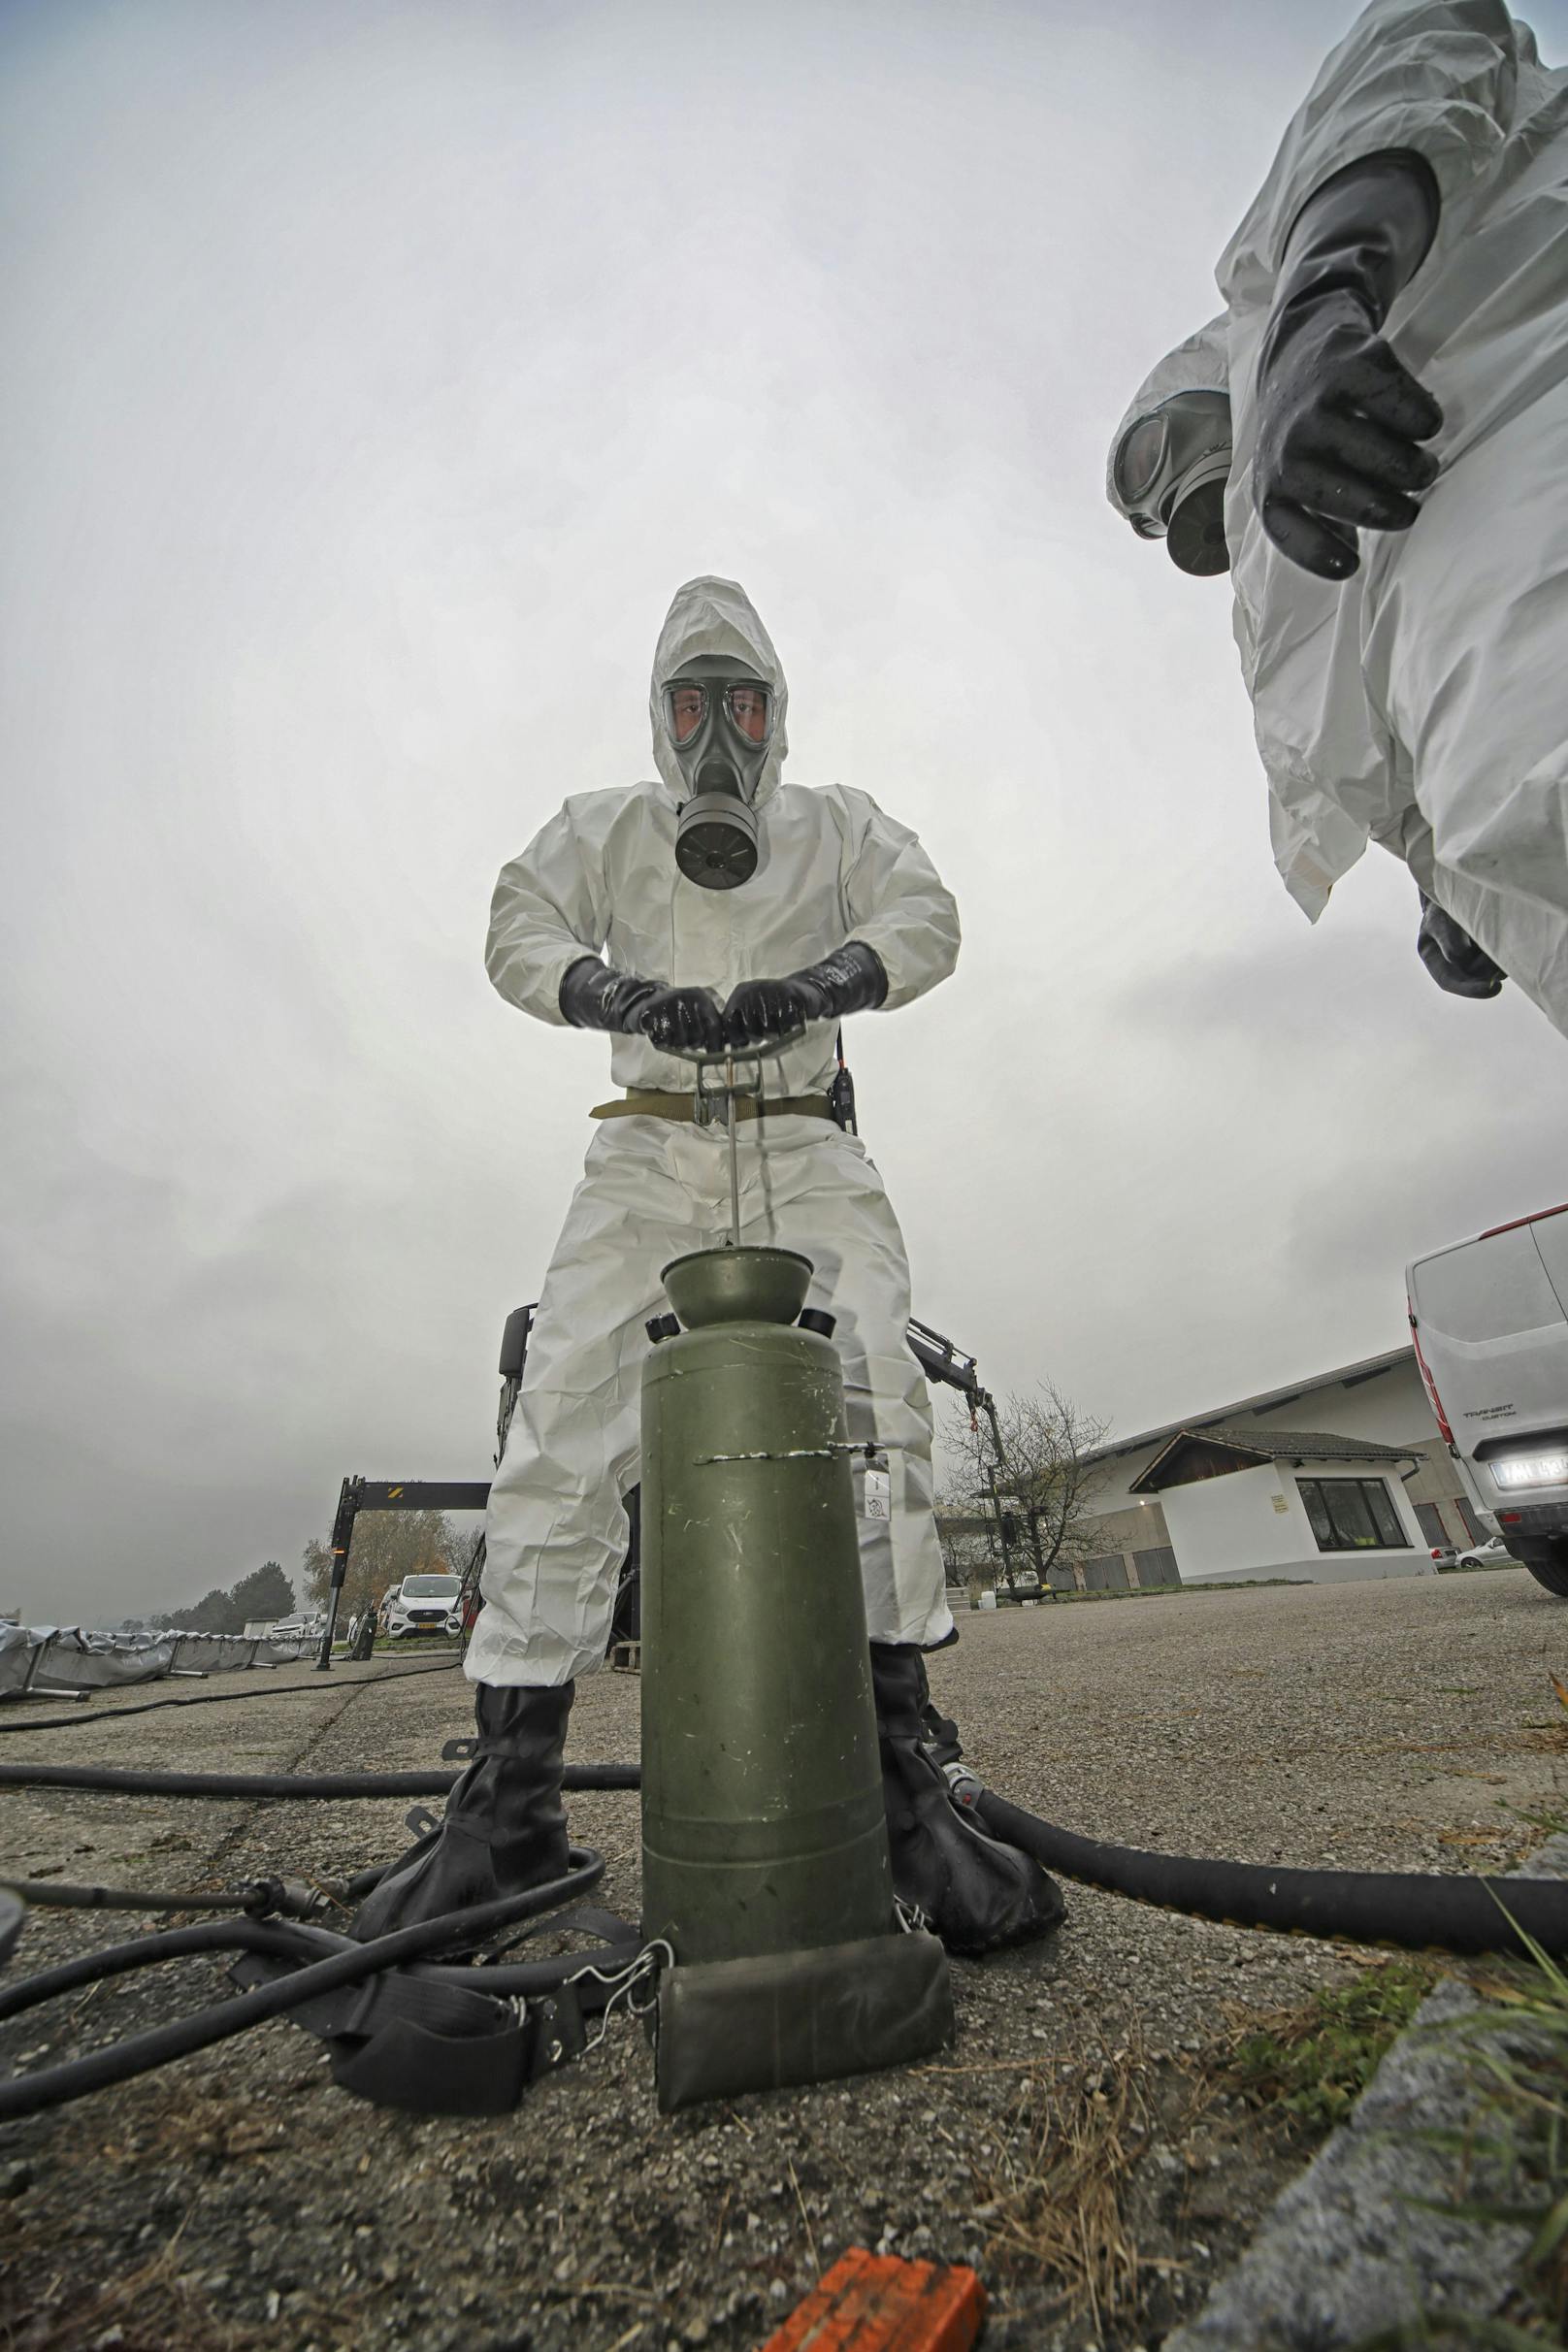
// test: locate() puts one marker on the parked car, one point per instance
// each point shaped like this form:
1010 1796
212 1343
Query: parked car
1445 1555
421 1604
300 1628
1487 1554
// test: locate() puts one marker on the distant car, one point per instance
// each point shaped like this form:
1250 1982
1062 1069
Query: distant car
1487 1554
298 1629
1445 1555
421 1604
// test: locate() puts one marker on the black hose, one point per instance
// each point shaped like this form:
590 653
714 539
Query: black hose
125 1782
213 1698
301 1944
58 1894
1420 1910
1446 1912
122 1959
55 2085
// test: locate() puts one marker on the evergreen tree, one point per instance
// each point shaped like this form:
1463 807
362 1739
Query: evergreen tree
213 1613
266 1593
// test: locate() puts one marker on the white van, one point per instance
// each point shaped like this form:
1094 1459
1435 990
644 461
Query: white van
420 1603
1490 1319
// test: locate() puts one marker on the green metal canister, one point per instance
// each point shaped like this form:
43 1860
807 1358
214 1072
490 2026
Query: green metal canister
762 1823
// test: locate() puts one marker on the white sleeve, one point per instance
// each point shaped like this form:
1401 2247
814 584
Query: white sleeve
1437 76
895 901
548 913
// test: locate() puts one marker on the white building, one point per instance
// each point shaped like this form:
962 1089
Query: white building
1344 1476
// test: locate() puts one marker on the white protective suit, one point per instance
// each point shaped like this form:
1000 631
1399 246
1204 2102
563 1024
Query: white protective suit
1417 703
601 875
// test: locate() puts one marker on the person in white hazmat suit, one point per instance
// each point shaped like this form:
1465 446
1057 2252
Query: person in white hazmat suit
717 905
1393 359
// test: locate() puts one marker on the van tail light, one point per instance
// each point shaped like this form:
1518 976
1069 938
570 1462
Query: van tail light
1510 1519
1428 1383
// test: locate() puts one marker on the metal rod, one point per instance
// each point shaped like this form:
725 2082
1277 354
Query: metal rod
734 1156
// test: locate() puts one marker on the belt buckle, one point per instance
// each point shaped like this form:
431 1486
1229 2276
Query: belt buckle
709 1102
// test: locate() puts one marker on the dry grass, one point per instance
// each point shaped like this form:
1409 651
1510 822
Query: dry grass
150 2309
1059 2191
1552 1736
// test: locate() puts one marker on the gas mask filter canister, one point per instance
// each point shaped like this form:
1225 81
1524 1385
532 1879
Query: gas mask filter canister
1170 475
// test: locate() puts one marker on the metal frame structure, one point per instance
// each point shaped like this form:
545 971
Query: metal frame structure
938 1356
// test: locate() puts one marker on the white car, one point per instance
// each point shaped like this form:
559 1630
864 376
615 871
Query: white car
421 1604
1487 1554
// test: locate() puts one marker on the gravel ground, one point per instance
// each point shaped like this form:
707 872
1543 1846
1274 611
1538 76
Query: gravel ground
237 2196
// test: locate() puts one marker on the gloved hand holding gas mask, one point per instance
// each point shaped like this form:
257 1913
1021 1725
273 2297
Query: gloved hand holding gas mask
1458 965
1340 417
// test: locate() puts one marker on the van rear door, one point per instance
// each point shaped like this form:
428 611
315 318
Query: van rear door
1492 1326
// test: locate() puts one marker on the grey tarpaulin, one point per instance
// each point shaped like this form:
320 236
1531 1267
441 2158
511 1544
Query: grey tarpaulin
73 1658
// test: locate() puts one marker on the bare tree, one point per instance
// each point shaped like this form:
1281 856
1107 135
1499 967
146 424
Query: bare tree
1026 1479
968 1523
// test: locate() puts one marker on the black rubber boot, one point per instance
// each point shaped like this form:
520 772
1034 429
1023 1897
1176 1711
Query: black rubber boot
504 1828
977 1893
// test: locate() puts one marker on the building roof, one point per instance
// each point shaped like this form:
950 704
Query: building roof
1347 1376
1255 1447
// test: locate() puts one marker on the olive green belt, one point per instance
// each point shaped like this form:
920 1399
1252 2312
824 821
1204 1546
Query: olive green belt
637 1105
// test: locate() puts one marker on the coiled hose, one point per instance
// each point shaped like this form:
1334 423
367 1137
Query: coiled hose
330 1962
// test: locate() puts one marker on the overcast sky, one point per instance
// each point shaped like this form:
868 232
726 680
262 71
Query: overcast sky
371 377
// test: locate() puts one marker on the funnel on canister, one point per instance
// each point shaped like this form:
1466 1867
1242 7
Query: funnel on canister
737 1286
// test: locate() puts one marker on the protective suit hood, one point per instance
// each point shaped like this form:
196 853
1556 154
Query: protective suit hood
716 617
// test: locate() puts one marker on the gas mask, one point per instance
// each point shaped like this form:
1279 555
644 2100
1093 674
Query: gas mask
1170 473
719 715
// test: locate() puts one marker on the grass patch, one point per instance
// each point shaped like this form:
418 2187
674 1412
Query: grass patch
1315 2059
1511 2156
1546 1820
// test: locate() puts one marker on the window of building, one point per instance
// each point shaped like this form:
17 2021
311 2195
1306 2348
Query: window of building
1352 1514
1432 1525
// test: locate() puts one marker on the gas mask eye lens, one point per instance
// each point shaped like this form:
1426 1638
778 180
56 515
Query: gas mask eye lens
1139 458
688 708
748 708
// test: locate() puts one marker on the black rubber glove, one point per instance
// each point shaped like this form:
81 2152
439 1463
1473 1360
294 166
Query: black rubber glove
682 1021
1453 958
676 1020
1340 418
594 995
851 980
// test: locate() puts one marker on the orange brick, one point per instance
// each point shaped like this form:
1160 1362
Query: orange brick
875 2302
